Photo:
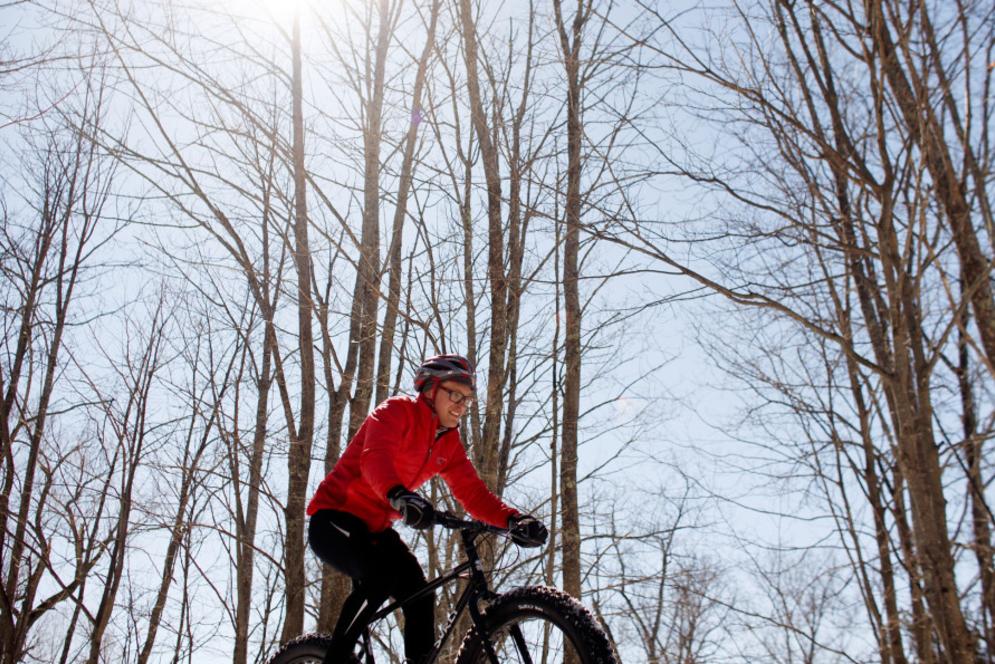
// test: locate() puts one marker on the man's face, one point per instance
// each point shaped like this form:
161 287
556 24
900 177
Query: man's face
451 401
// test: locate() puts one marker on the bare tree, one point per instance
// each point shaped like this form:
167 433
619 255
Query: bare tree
131 431
667 594
570 48
405 177
871 254
299 457
205 394
46 253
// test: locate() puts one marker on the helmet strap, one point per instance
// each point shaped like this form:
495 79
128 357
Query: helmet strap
429 392
430 395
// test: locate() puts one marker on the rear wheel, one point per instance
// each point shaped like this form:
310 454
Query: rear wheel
307 649
538 625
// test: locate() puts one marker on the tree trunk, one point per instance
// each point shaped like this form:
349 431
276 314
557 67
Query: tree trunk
980 512
485 451
299 455
246 525
926 130
570 47
369 250
334 585
922 624
400 212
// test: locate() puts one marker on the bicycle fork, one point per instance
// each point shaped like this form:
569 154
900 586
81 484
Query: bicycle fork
479 581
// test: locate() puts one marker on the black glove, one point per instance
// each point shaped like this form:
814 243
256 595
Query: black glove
526 530
416 511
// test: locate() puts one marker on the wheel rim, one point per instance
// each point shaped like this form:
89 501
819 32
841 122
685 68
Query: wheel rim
307 659
532 640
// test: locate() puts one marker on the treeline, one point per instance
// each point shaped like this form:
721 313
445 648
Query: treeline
230 229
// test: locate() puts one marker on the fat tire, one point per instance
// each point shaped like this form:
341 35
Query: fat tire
305 649
577 625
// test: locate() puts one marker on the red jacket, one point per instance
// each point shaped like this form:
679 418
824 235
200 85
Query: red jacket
397 444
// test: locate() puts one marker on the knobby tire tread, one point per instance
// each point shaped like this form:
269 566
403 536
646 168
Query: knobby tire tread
304 648
577 623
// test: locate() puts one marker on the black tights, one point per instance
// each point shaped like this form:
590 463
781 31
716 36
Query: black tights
381 566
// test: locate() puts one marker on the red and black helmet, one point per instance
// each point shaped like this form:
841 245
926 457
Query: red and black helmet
440 368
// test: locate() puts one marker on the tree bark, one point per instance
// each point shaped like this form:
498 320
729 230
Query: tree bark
570 48
369 251
299 454
400 212
246 523
980 512
486 450
926 130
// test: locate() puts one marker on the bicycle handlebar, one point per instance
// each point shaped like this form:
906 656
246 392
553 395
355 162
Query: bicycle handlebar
455 522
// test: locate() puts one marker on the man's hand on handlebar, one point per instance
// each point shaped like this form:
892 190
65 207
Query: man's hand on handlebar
527 531
524 529
415 510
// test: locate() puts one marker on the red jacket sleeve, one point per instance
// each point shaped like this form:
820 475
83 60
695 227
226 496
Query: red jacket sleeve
385 428
471 491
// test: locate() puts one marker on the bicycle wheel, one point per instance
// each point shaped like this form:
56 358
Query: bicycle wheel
306 649
538 625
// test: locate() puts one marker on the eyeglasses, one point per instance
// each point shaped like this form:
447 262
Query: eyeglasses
459 397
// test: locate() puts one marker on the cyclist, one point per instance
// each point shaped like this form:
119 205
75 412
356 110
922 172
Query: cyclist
402 444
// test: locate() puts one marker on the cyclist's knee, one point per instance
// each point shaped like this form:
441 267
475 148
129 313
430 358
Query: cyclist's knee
409 581
423 607
409 571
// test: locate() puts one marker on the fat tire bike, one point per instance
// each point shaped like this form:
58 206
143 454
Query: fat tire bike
530 625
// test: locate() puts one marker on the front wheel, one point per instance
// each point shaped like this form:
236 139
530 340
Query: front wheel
307 649
538 625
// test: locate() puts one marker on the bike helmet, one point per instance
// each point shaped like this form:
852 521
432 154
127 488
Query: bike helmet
440 368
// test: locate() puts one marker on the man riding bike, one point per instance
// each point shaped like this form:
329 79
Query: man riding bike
403 443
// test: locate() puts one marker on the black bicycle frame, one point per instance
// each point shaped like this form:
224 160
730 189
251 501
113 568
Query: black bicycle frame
475 590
